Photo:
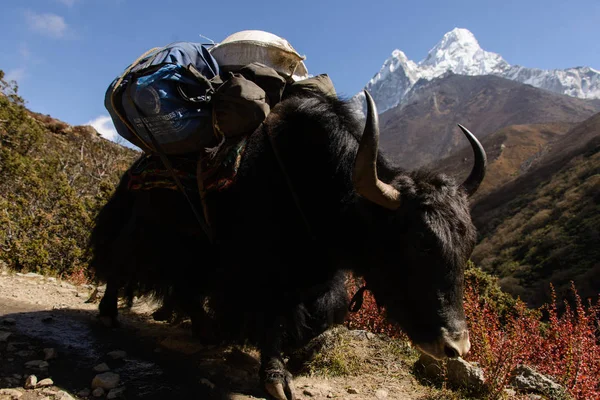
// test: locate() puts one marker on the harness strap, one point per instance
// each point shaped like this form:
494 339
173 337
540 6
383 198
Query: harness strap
289 182
207 230
118 83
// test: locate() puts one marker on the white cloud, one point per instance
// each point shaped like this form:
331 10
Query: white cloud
47 24
16 74
104 125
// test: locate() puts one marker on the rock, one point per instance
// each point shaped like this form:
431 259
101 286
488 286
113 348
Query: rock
461 373
308 393
102 368
4 336
12 393
39 364
528 380
48 392
44 383
116 393
381 394
84 393
11 347
51 279
371 336
9 321
106 380
208 383
330 395
429 367
50 353
30 382
62 395
353 391
98 392
25 353
117 354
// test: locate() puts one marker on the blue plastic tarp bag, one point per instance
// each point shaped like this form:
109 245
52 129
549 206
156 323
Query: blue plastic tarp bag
166 93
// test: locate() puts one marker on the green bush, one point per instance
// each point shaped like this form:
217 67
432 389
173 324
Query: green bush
53 181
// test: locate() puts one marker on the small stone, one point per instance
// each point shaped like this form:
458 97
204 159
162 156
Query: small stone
4 336
465 374
12 393
50 353
39 364
48 392
98 392
17 376
30 382
84 393
25 353
102 368
51 279
371 335
353 391
529 380
308 393
45 382
10 359
11 347
62 395
208 383
381 394
330 395
116 393
106 380
117 354
9 321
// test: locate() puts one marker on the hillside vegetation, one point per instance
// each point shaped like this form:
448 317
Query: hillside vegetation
53 179
544 227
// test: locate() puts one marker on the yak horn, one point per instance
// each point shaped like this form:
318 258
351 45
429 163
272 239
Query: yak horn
477 174
365 180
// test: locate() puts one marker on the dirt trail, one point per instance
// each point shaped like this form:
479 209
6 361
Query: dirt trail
162 361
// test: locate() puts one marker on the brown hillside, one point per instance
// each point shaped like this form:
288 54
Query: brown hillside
424 129
511 152
544 226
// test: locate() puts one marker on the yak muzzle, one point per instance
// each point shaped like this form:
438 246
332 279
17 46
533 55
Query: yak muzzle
448 345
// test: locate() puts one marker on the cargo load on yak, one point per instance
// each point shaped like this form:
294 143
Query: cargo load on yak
192 106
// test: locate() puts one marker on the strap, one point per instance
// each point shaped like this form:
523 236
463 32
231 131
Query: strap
118 83
207 230
289 182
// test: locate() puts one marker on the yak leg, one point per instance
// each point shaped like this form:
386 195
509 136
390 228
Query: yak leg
274 377
108 304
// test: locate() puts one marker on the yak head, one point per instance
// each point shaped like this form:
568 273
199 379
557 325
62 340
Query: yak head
420 236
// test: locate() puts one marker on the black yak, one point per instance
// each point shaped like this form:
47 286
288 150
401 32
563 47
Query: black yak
312 200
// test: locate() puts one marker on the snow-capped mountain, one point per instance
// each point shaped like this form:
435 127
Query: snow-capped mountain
459 52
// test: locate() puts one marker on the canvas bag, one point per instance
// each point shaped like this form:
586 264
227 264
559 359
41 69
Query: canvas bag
239 106
166 91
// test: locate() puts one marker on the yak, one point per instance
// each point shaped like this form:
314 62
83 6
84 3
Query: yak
312 200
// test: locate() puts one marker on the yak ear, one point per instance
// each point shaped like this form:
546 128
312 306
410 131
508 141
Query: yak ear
477 174
365 180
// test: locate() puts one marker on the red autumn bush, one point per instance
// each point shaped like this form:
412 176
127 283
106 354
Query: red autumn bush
505 333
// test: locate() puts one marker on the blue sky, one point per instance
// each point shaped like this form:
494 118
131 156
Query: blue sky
65 53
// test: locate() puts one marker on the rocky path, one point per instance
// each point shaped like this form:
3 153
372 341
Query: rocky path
53 347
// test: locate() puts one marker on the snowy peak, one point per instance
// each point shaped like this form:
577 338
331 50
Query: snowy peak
456 44
459 52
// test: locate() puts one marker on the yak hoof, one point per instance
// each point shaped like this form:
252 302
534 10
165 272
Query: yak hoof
280 391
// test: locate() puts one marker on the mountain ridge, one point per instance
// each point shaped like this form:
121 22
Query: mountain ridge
459 52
